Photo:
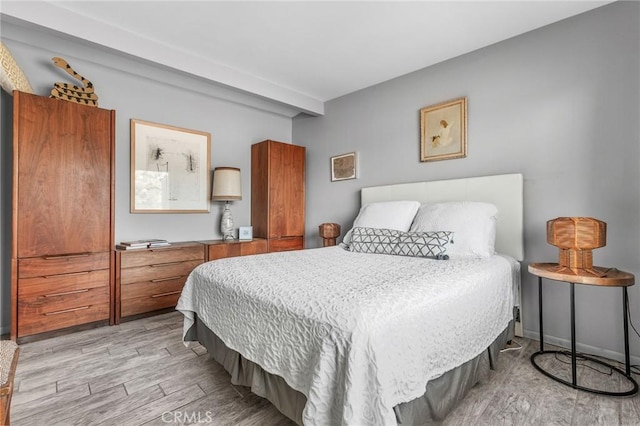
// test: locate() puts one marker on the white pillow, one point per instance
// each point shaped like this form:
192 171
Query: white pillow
473 224
396 215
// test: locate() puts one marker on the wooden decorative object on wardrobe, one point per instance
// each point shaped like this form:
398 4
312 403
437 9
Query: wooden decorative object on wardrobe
63 214
277 194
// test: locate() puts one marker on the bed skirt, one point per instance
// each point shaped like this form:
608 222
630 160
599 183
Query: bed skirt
440 397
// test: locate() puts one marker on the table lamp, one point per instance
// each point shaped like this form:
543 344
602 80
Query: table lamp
576 237
329 232
227 187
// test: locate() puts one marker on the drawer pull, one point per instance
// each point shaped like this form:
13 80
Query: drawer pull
67 275
159 280
84 290
65 311
165 248
66 256
161 265
166 294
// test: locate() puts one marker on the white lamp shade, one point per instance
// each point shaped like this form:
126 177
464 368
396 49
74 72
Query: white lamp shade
227 184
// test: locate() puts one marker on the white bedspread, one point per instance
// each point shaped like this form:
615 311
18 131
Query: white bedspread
355 333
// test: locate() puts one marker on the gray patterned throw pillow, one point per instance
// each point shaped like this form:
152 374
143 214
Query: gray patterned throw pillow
374 240
389 241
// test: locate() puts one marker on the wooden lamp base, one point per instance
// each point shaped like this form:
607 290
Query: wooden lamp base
329 232
576 237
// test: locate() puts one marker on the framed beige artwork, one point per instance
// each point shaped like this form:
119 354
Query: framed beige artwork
169 169
344 167
443 130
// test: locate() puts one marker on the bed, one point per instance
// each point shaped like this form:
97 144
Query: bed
355 334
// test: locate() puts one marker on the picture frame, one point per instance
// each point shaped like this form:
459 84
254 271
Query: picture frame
245 233
443 130
169 169
344 167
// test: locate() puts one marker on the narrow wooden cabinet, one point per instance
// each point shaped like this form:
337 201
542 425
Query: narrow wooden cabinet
63 212
148 280
219 249
278 194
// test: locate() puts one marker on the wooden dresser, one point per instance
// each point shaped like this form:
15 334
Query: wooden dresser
219 249
63 213
148 280
278 194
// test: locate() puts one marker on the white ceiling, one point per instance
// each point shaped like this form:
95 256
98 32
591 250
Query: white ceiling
298 53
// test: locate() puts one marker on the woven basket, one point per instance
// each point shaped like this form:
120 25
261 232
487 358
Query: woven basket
576 237
11 75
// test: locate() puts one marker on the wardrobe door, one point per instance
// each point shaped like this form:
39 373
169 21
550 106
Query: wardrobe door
63 177
278 194
286 190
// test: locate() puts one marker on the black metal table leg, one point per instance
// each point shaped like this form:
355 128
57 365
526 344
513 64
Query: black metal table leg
540 313
574 374
627 358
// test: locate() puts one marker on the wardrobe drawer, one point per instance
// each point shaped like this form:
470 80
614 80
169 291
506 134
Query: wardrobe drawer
63 283
157 272
41 313
64 264
171 254
286 244
32 322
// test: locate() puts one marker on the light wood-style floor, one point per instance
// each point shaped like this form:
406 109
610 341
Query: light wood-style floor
140 373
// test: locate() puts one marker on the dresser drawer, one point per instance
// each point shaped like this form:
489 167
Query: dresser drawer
253 247
152 289
140 305
172 254
42 313
217 249
221 251
286 244
55 265
150 296
73 282
157 272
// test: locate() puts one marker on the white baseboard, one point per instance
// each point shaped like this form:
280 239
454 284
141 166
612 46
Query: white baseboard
585 349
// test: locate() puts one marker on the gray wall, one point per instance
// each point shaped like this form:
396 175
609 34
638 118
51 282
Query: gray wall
559 105
142 91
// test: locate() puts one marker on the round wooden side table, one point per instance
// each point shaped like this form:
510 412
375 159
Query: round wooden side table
606 277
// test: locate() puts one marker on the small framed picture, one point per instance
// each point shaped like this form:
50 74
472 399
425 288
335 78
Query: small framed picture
344 167
443 130
245 233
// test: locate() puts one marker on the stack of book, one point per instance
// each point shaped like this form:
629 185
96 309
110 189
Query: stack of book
142 244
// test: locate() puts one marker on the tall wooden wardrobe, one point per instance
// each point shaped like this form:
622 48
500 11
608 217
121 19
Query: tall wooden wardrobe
63 214
277 194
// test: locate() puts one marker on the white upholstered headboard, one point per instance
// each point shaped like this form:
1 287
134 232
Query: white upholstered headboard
504 191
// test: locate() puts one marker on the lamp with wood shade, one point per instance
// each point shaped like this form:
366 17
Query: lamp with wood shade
329 232
576 237
227 187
